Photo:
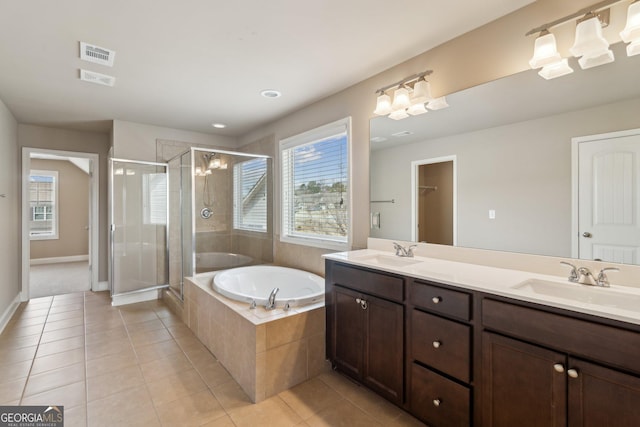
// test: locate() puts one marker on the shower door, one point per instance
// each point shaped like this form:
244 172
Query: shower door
139 201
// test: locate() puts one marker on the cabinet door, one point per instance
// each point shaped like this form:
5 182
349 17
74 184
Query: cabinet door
384 350
348 332
524 385
600 396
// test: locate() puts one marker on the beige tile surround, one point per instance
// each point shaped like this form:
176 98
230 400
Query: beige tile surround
265 352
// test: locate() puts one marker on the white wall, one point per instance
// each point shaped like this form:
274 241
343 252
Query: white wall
10 285
136 141
522 170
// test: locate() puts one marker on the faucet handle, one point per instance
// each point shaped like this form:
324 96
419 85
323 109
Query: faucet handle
410 250
602 279
573 275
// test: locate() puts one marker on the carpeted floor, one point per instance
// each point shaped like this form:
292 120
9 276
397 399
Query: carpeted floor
56 279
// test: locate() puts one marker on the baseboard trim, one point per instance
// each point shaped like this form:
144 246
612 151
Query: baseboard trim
101 286
60 259
134 297
8 313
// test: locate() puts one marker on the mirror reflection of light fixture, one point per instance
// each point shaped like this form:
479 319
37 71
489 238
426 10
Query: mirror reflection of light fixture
631 32
409 98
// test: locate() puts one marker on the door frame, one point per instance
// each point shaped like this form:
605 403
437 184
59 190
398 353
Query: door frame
415 193
575 176
94 218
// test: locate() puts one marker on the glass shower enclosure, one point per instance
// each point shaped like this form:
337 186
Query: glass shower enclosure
139 227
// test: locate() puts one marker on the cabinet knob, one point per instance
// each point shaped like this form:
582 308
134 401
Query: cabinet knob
362 302
437 402
558 367
573 373
437 344
436 300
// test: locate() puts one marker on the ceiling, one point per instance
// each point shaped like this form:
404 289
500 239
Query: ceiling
188 64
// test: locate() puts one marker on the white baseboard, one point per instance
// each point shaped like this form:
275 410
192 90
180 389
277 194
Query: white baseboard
101 286
60 259
8 313
132 298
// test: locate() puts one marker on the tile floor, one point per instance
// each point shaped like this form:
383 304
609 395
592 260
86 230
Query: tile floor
139 365
58 278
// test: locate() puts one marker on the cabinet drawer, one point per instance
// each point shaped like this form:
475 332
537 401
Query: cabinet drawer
437 400
607 344
441 300
371 282
442 344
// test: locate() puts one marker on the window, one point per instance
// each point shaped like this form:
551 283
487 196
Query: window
43 205
154 204
250 195
316 188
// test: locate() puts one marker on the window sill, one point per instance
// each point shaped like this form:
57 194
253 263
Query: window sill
316 243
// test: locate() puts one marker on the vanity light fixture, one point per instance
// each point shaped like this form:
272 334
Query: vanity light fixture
411 96
631 32
589 45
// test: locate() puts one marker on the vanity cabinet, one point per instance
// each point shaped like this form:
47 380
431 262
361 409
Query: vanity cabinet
556 370
365 328
440 354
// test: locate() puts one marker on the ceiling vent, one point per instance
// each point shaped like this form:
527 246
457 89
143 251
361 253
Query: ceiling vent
97 54
97 78
378 139
403 133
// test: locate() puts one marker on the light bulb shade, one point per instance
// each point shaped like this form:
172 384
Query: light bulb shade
421 92
401 99
587 62
417 109
214 164
631 32
559 69
438 104
545 51
589 40
383 105
398 115
198 171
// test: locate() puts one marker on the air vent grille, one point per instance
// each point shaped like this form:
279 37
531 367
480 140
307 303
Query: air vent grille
97 54
97 78
403 133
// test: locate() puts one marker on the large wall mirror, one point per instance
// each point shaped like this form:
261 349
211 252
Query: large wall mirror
502 166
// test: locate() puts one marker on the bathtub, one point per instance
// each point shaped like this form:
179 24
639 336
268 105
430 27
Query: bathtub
255 283
211 261
265 351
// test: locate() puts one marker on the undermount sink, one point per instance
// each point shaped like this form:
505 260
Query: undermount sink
606 297
389 260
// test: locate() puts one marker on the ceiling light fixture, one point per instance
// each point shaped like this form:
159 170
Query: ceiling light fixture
270 93
411 96
590 45
219 125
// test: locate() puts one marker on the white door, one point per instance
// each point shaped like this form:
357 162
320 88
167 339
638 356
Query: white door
609 199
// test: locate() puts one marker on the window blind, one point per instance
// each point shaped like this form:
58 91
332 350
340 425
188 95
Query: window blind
250 195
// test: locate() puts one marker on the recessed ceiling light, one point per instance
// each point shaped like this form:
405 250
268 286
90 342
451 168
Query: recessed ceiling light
219 125
270 93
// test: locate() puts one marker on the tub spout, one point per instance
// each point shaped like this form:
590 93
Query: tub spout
271 304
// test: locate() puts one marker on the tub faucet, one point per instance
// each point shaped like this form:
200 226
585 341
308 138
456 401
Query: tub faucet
271 304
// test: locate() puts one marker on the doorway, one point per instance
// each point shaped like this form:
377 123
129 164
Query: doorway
433 192
59 222
606 197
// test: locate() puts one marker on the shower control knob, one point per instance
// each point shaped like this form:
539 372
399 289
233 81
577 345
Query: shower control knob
206 213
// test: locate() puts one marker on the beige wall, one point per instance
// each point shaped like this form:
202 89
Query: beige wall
521 170
488 53
73 211
84 142
9 210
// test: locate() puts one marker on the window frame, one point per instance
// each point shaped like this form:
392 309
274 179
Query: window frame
237 198
55 211
287 205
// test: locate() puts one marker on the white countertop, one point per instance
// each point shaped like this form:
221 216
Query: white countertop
504 282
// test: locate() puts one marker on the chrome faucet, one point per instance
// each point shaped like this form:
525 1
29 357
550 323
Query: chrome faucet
584 276
602 279
402 251
271 304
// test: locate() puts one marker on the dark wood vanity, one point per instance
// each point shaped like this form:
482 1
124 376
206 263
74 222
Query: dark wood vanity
455 357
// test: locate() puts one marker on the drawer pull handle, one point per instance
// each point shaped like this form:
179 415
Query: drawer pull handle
437 402
437 344
558 367
436 300
572 373
362 302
